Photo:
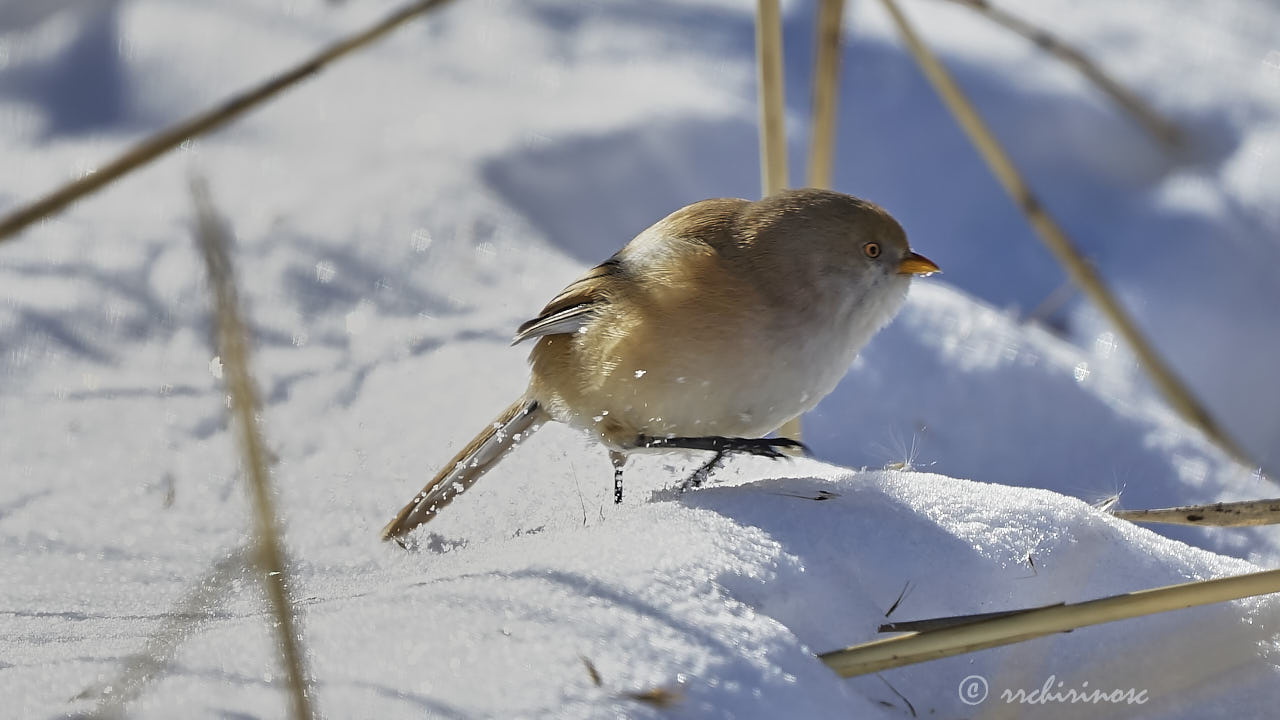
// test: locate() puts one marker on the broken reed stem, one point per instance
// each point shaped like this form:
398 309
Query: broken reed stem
165 140
1163 130
826 94
773 130
935 644
953 621
233 348
201 601
1233 514
1081 272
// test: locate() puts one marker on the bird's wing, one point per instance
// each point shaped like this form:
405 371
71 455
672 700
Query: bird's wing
660 256
570 311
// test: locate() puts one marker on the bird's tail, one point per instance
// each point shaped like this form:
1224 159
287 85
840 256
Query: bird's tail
517 422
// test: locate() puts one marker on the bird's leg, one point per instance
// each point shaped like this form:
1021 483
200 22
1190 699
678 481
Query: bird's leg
721 446
618 459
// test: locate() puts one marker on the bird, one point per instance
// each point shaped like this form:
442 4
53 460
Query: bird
706 332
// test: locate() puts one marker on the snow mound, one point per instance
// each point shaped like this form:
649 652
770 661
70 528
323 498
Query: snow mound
719 597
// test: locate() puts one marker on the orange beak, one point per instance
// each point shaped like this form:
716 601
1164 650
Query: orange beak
917 264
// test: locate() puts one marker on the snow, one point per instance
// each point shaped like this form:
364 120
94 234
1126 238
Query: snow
400 214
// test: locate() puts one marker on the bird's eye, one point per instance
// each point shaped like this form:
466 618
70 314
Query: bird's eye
871 250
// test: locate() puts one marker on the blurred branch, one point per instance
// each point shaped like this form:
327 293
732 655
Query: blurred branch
1234 514
1053 303
826 94
200 602
1081 272
1023 625
165 140
233 348
1163 130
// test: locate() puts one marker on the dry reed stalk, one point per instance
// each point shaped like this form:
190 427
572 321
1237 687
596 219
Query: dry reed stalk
826 94
1232 514
923 646
1078 268
161 142
1163 130
773 131
233 349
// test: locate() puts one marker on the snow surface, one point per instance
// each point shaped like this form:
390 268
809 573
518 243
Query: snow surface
400 214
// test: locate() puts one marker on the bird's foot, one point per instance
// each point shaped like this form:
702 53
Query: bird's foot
765 447
721 446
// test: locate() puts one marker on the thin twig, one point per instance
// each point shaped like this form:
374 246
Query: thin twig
161 142
233 348
1163 130
826 94
903 698
906 588
1078 269
1233 514
935 644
